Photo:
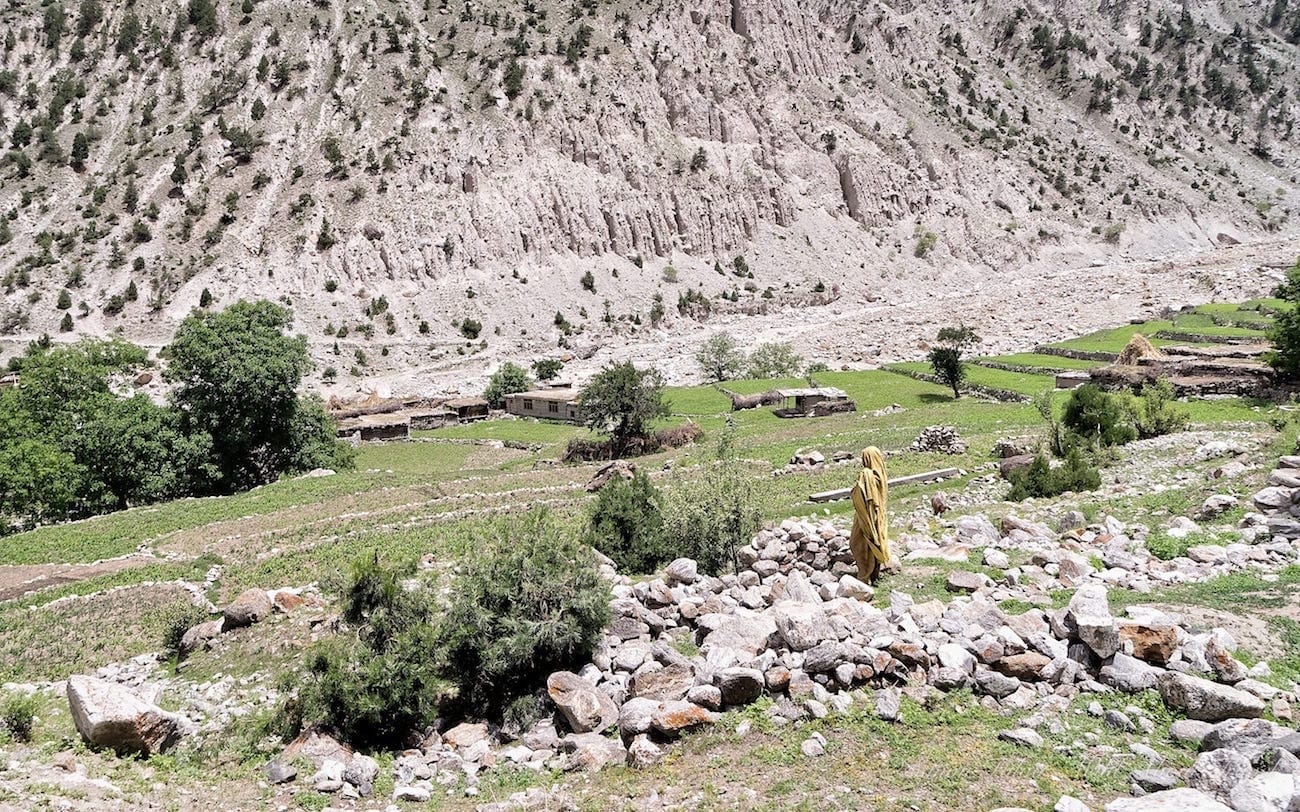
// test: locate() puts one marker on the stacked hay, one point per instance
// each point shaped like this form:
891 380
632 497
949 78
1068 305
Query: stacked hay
1138 347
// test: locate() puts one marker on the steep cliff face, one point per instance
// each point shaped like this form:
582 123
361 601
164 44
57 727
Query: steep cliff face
475 163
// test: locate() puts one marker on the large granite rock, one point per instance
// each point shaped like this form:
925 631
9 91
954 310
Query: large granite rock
584 707
110 715
252 606
1173 800
1089 613
1207 701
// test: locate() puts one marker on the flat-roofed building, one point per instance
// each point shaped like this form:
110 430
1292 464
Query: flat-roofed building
546 404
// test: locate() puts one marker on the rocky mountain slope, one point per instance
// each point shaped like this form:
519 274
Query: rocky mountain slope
434 187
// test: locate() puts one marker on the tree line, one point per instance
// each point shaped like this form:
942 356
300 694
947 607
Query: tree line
74 442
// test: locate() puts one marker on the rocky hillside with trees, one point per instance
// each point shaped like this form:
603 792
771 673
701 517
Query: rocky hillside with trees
429 185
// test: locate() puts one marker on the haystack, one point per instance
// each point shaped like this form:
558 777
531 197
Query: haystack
1138 347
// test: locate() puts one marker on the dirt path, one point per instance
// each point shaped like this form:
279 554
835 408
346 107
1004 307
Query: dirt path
17 580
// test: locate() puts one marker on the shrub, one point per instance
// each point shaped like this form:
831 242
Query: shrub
18 714
547 368
507 380
176 621
625 523
1155 412
376 687
925 244
1041 480
470 328
589 282
1166 547
1097 417
528 601
711 517
774 360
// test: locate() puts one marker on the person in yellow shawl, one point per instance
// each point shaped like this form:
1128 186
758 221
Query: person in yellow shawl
869 541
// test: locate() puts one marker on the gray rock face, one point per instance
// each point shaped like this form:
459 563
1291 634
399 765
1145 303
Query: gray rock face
1095 627
280 773
1207 701
1174 800
802 625
584 707
1266 792
996 685
1022 736
635 716
110 715
1128 674
1190 731
643 753
252 606
1218 771
1154 780
965 581
889 704
1250 737
592 751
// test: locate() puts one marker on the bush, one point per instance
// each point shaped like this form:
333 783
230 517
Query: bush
625 523
547 368
1166 547
176 621
1155 412
528 601
1041 480
774 360
470 328
18 715
1097 417
710 518
376 687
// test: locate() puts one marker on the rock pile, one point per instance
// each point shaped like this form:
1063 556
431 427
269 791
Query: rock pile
1279 503
797 625
939 440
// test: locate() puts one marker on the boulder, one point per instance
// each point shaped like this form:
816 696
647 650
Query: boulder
1023 736
1218 771
682 571
670 682
1153 642
252 606
673 718
583 706
643 753
1090 613
741 686
1027 666
592 751
1250 737
801 625
1207 701
1266 792
110 715
200 636
465 735
1173 800
966 581
1128 674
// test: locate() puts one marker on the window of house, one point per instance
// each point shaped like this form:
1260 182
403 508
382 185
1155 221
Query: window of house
528 405
553 407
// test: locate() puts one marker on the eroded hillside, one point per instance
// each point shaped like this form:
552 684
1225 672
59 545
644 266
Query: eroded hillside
433 187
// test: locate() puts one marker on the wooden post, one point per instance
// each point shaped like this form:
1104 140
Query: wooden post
911 479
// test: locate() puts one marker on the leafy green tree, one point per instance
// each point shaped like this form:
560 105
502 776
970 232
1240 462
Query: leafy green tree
236 375
626 524
65 300
202 14
507 380
1285 332
774 360
720 357
54 23
1097 417
89 15
80 151
623 400
1155 411
547 368
205 298
946 358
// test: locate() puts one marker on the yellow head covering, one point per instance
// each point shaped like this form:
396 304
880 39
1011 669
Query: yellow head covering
869 541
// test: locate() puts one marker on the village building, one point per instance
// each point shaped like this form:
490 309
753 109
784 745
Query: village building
816 401
468 409
546 404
